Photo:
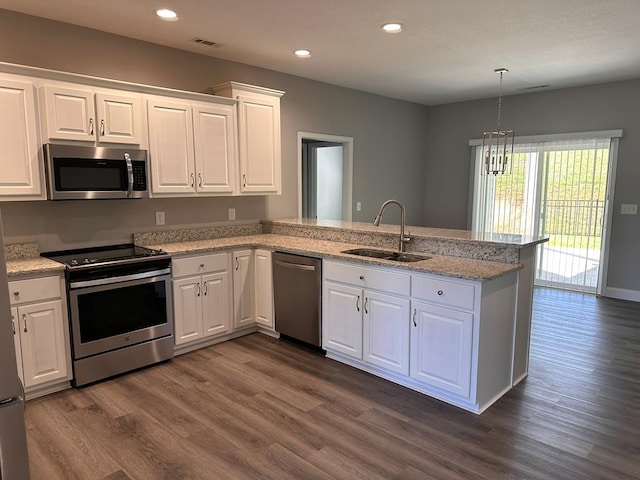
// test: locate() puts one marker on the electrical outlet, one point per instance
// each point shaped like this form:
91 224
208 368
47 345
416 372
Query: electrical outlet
628 209
159 218
358 206
232 214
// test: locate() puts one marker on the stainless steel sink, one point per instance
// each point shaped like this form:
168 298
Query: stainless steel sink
386 255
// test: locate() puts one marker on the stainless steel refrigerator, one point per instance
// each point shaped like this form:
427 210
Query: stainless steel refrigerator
14 461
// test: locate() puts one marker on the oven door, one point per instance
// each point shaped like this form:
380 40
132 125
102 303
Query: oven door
116 312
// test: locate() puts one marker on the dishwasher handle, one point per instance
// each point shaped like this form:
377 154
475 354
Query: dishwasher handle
297 266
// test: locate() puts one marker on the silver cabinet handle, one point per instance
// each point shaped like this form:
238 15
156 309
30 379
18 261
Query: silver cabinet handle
13 324
440 292
198 287
193 180
24 320
16 294
414 318
102 127
366 300
358 303
206 289
91 126
237 264
199 179
244 180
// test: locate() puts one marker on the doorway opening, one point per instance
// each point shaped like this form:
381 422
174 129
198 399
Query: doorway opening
325 170
558 189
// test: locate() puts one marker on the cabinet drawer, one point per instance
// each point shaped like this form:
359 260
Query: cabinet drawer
443 292
200 264
386 280
34 289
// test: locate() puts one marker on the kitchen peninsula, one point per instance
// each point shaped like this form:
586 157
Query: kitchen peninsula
474 289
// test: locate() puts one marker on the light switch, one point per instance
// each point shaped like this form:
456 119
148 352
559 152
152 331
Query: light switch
358 206
232 214
629 209
159 218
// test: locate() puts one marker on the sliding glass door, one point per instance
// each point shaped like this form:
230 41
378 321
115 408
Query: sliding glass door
556 189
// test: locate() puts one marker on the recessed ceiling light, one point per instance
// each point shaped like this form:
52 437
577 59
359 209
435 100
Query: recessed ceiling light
166 14
392 27
302 53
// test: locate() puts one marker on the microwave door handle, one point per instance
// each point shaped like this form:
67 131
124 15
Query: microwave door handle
127 159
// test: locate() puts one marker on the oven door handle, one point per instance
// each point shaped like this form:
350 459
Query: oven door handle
119 279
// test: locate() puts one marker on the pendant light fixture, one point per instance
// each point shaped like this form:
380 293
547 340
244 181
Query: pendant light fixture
497 146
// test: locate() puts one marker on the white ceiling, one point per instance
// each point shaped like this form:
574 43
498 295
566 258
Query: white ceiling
447 52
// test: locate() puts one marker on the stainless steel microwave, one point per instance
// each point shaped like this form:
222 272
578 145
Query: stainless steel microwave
85 173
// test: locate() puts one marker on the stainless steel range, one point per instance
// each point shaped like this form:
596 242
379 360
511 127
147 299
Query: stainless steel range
120 309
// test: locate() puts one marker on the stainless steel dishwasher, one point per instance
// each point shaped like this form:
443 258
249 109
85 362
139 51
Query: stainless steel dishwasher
297 293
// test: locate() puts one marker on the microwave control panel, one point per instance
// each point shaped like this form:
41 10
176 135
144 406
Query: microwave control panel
139 175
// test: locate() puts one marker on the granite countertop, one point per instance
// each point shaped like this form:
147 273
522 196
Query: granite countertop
438 264
425 232
33 265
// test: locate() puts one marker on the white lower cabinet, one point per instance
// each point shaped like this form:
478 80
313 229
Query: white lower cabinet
446 337
386 331
342 319
363 323
201 297
441 346
243 288
263 288
40 333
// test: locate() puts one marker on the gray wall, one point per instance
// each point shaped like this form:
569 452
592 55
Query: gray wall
597 107
389 154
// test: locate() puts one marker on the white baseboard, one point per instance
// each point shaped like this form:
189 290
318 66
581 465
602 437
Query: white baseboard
622 294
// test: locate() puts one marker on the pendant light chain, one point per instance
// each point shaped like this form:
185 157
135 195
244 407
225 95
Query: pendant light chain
500 102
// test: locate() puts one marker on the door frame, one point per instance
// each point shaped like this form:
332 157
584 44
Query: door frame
347 159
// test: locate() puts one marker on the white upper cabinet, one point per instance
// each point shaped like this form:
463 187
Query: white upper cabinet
214 130
171 146
258 136
77 112
20 175
192 146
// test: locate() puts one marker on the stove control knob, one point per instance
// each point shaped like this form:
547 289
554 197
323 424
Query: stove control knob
74 262
86 261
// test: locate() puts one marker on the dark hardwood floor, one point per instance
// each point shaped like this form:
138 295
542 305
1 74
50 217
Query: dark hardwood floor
261 408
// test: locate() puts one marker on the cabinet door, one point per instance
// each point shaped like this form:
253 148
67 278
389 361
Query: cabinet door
119 118
171 147
264 288
216 303
187 306
259 140
20 176
42 337
214 133
386 331
69 113
243 288
16 341
441 347
342 319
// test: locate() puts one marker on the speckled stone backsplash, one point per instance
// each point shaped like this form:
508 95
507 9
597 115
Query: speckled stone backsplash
194 234
436 246
21 251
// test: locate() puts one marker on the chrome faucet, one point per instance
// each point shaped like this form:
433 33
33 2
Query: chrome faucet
403 239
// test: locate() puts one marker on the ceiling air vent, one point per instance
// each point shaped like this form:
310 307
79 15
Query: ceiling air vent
202 41
536 87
